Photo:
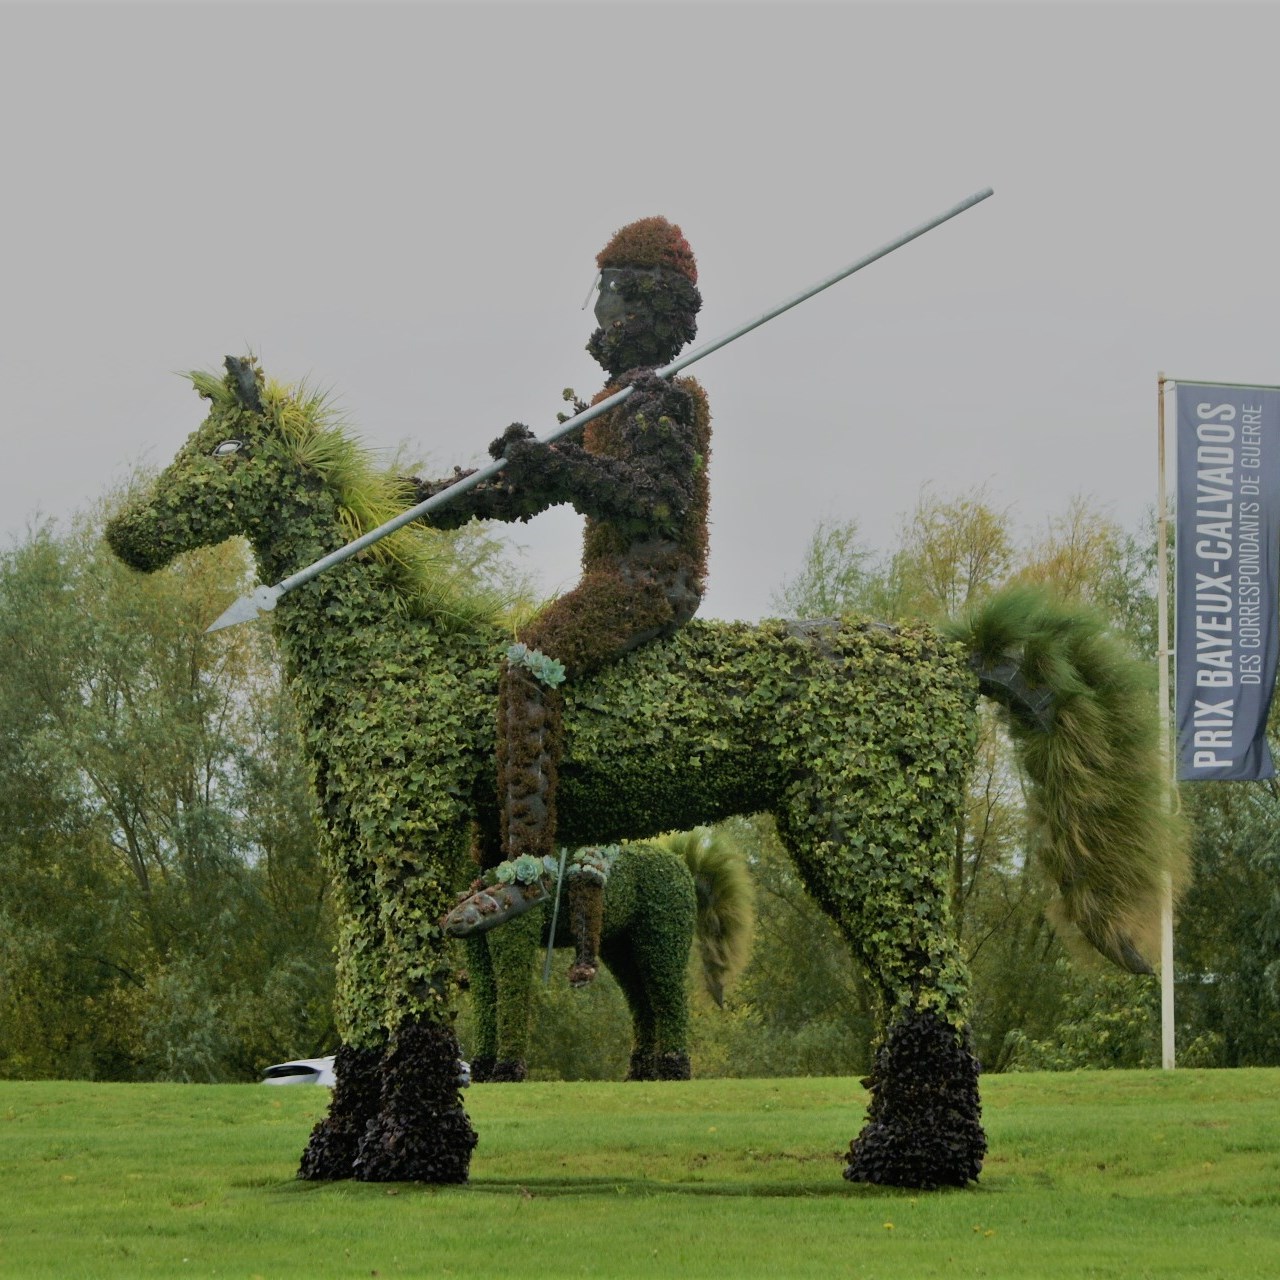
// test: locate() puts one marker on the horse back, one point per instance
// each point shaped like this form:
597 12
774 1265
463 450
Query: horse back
727 718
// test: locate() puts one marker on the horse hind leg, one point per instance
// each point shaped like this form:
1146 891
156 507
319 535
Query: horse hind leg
924 1125
617 954
659 1015
887 890
650 959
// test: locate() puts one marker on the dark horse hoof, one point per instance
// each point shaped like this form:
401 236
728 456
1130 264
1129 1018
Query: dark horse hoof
331 1151
421 1132
488 907
482 1068
924 1125
646 1065
674 1066
508 1071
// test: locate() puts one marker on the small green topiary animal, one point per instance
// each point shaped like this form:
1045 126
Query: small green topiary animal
662 898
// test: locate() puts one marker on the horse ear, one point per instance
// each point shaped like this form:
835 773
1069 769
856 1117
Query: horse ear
244 378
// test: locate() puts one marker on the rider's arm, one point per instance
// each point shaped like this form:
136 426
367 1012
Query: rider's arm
494 499
504 497
652 482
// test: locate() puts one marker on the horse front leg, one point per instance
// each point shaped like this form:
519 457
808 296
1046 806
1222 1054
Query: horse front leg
330 1153
421 1132
483 989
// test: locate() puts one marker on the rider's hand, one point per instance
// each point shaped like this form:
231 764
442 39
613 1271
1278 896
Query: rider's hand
516 434
643 379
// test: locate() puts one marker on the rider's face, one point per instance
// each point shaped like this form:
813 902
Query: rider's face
610 306
645 315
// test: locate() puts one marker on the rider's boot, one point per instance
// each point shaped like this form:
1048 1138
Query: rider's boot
529 716
483 907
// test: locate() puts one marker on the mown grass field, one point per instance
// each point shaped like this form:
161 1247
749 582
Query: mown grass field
1120 1174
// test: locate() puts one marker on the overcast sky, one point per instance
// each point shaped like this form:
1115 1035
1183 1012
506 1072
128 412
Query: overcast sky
403 203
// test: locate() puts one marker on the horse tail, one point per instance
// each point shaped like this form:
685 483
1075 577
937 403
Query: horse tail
726 903
1082 713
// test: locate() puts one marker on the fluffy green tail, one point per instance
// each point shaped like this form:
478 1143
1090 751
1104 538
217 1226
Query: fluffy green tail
726 903
1082 713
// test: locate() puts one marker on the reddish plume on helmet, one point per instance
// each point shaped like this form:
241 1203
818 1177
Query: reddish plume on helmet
650 242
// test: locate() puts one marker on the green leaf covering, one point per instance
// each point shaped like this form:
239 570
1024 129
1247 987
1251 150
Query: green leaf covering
855 735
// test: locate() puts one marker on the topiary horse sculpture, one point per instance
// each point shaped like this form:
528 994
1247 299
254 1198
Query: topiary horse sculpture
661 897
856 736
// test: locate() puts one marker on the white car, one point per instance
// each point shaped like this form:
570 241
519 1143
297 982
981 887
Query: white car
300 1071
320 1071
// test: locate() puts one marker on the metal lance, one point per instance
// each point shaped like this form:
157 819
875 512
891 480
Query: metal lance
263 599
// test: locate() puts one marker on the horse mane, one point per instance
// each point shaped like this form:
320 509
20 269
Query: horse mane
434 574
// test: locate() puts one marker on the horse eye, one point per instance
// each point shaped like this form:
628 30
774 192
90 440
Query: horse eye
228 447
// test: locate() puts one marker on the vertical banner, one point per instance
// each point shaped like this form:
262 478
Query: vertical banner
1227 522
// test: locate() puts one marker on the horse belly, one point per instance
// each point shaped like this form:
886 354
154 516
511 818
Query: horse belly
659 785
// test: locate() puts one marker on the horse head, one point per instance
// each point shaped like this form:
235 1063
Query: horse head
204 496
277 465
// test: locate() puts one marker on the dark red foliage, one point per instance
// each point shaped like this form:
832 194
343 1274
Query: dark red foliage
650 242
924 1125
331 1151
421 1132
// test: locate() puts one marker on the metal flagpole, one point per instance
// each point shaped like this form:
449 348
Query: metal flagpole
264 598
1164 653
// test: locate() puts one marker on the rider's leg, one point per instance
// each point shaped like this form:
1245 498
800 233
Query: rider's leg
528 762
605 616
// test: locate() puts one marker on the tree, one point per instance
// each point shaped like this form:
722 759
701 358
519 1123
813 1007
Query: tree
1228 936
164 912
950 553
839 575
1084 555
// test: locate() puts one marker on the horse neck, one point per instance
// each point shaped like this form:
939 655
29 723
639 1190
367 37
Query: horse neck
339 608
296 527
299 526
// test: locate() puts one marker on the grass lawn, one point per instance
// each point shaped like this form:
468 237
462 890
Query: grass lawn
1115 1174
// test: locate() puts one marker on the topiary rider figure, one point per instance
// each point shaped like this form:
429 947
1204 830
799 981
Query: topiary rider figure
639 476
